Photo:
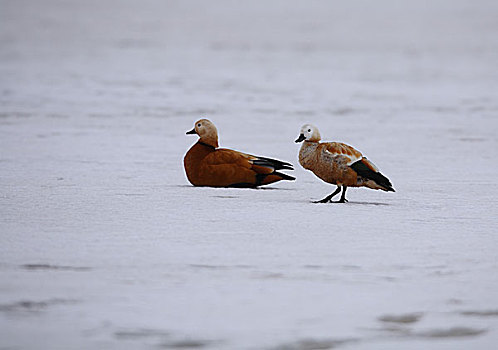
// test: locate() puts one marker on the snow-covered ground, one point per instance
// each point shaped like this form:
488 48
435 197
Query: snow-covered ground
105 245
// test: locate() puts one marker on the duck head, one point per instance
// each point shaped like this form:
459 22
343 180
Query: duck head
309 133
207 132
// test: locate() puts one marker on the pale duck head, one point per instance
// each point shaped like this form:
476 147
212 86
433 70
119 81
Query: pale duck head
207 132
309 133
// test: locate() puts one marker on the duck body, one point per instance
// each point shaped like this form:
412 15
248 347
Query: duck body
338 164
207 165
335 163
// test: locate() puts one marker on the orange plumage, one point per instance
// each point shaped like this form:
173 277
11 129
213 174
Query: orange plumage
207 165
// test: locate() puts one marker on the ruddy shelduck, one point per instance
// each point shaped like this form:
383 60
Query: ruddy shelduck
338 164
208 165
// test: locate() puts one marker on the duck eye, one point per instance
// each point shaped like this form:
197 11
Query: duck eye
199 125
309 130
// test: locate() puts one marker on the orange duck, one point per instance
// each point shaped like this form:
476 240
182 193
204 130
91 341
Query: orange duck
208 165
338 164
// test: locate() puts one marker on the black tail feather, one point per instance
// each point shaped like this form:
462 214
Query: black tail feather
274 163
260 178
364 171
284 176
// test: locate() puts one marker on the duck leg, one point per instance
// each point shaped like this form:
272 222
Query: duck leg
329 197
343 195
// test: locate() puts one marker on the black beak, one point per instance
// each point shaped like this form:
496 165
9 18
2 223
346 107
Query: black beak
301 138
191 132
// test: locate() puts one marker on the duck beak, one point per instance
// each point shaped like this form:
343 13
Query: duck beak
191 132
301 138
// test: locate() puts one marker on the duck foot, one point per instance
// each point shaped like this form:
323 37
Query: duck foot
325 200
328 199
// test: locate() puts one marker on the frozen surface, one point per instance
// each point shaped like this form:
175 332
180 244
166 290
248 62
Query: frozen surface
104 244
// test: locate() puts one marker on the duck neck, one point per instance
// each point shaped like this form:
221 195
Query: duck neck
206 145
209 140
306 153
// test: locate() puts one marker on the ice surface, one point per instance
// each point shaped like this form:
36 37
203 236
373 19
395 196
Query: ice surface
105 245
